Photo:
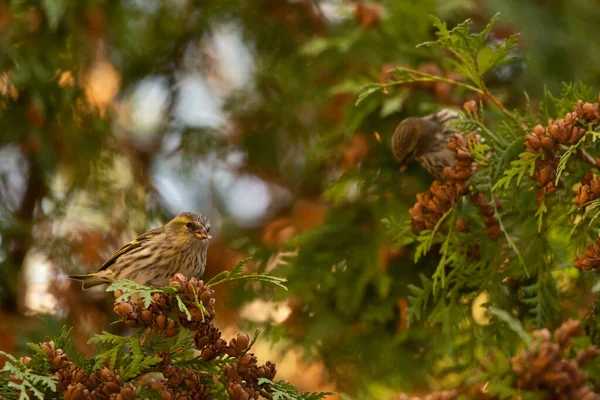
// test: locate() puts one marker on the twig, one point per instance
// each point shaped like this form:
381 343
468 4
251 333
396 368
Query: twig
583 156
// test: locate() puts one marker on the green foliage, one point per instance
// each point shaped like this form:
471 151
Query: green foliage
130 289
293 124
520 168
133 358
524 270
474 54
419 299
426 237
513 323
20 379
286 391
236 274
473 57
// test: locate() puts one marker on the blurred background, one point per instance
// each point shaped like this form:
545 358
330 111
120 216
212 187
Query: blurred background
117 115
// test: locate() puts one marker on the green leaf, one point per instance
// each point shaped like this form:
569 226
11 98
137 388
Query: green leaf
282 390
419 299
513 323
426 237
562 165
472 55
183 308
114 344
368 90
541 211
524 166
131 288
236 274
30 380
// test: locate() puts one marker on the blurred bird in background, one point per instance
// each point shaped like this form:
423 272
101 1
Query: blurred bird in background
155 256
425 140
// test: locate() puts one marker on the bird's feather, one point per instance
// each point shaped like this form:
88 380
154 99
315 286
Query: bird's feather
134 244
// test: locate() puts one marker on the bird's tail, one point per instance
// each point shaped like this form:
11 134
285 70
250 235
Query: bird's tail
91 280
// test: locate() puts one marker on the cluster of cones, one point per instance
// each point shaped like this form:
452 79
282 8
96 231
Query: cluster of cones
566 131
241 372
590 259
76 384
177 383
442 197
589 189
544 368
163 316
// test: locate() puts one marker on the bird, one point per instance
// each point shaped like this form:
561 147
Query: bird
425 140
155 256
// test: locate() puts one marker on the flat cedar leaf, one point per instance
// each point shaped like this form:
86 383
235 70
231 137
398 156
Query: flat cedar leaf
368 90
542 299
473 55
136 361
562 164
236 274
106 338
541 211
592 209
226 275
282 390
513 323
519 168
28 380
131 288
254 339
114 343
183 308
419 299
426 237
571 92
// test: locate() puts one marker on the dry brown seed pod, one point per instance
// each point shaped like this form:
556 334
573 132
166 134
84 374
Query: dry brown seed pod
161 321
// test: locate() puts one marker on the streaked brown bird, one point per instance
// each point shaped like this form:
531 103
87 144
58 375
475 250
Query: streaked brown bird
155 256
425 140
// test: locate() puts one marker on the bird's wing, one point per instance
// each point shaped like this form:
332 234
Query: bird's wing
442 116
134 244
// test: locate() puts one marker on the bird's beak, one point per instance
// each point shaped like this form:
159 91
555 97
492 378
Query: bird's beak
201 234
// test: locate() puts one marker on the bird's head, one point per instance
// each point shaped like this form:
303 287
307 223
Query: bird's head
189 226
410 138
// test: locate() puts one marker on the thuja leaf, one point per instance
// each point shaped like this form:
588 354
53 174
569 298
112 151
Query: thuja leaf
426 237
419 299
236 274
541 211
513 323
562 165
138 360
131 288
473 54
282 390
28 379
114 344
524 165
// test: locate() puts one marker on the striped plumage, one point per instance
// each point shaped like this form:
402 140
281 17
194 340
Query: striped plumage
155 256
425 139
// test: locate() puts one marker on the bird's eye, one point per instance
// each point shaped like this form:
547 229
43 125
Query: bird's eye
189 224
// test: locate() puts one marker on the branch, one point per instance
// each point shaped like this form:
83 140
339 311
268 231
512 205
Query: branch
583 156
